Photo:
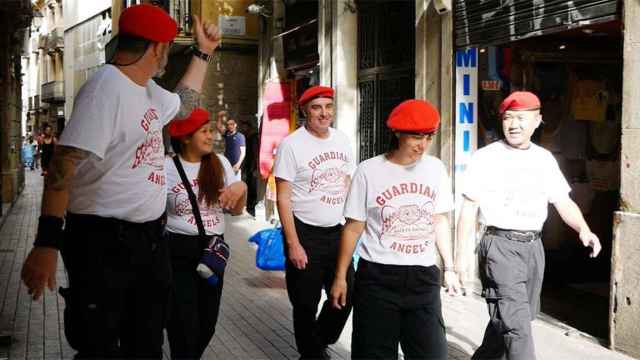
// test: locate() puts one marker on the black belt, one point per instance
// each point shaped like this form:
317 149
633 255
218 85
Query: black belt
515 235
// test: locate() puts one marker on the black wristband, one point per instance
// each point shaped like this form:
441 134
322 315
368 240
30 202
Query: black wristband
49 232
202 55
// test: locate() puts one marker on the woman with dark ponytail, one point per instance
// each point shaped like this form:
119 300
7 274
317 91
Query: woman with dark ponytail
196 243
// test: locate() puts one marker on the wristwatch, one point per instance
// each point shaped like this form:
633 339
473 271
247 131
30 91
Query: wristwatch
204 56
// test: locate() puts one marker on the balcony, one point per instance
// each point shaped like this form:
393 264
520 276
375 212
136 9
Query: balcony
42 42
53 92
55 40
34 103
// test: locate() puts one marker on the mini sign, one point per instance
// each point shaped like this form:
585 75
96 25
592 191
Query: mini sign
232 25
466 127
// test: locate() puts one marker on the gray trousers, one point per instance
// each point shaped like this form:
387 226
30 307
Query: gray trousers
511 272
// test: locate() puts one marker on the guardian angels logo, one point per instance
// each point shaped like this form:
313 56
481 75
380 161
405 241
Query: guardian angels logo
150 153
407 228
180 201
182 204
332 181
407 222
330 176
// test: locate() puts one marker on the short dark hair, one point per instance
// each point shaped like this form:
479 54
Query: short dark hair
132 44
394 143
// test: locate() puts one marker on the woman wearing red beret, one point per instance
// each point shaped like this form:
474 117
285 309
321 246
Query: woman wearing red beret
400 201
197 279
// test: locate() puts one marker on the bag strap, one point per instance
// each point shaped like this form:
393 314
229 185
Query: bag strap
192 197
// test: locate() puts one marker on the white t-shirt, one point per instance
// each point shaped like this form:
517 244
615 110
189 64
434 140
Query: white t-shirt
398 203
180 218
318 170
120 123
513 187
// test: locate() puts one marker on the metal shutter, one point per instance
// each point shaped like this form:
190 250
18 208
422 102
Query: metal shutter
490 22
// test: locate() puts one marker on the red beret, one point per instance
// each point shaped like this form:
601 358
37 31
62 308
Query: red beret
414 116
315 92
186 126
520 100
148 22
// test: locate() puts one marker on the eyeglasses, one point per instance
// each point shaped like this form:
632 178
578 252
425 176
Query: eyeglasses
417 135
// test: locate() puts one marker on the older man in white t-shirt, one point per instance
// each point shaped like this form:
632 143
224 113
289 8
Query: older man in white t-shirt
511 182
107 176
313 171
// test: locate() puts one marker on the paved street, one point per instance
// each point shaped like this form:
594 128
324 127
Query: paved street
255 318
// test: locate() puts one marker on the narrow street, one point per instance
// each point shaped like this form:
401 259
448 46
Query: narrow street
255 320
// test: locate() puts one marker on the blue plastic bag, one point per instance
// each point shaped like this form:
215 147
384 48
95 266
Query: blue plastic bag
270 254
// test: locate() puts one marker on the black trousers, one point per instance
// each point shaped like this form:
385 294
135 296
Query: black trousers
397 304
195 303
119 278
511 273
305 286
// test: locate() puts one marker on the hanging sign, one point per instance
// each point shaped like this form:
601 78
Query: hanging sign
466 113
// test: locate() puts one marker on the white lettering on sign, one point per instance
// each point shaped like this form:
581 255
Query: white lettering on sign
232 25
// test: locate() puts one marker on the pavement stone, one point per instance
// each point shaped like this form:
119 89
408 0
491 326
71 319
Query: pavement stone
255 315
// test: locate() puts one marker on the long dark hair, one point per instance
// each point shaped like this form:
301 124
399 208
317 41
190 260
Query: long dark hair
211 174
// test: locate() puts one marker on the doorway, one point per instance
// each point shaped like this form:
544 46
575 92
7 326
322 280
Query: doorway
386 68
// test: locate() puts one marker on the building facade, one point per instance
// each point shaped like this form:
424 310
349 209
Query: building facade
15 17
87 29
44 65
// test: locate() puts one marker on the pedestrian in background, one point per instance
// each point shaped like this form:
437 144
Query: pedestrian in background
401 201
195 302
107 175
35 143
48 142
251 170
235 145
313 168
27 152
511 182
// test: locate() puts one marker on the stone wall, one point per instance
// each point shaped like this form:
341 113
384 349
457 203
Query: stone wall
625 277
11 170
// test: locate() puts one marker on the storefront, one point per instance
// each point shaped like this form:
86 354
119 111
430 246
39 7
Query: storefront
570 54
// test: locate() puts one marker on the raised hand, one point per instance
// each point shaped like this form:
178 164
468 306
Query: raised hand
208 36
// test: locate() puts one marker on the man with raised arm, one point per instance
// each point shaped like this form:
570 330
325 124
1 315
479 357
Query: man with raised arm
107 180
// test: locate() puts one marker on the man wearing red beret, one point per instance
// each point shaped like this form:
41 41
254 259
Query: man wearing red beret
108 176
313 170
511 182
